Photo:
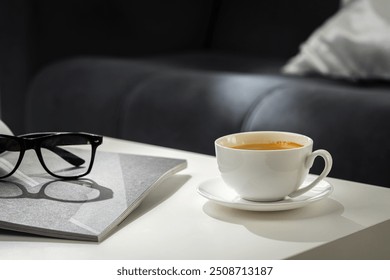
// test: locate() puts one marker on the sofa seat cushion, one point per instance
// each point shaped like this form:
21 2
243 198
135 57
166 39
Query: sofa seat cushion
82 94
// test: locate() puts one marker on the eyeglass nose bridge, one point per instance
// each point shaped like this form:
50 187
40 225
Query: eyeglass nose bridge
31 144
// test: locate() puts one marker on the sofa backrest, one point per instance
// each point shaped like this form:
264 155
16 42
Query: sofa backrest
64 28
273 28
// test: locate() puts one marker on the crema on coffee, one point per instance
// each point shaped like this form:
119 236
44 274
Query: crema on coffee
279 145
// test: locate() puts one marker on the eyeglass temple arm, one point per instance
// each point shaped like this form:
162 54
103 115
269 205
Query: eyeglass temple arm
66 155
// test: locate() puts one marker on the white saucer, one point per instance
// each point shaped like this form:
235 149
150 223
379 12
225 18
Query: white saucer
216 190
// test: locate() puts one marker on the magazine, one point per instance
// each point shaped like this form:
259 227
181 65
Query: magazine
88 208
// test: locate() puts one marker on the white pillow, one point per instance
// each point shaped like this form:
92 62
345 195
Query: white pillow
353 44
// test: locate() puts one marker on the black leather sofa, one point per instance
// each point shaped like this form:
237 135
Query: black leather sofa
182 73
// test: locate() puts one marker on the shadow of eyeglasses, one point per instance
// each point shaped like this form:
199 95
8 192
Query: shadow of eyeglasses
70 191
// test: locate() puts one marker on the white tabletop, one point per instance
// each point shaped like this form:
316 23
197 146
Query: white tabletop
175 222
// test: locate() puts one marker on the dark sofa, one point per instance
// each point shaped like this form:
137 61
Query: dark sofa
182 73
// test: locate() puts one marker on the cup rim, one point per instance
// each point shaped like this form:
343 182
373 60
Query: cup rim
308 139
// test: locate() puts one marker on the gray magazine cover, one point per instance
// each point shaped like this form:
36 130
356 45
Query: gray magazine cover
88 208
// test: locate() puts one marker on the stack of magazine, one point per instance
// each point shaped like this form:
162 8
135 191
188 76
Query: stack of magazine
88 208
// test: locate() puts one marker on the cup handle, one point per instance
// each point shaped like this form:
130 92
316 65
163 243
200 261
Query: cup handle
309 163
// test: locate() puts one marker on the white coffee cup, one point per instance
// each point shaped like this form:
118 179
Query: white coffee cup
268 175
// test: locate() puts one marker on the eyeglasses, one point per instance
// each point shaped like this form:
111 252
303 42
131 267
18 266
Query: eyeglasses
63 155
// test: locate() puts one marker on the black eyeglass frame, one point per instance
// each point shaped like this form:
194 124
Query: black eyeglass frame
33 141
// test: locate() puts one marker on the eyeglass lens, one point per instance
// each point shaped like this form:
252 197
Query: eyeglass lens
9 155
67 155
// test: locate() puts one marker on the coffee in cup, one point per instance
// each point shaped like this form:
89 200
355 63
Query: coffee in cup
278 145
268 165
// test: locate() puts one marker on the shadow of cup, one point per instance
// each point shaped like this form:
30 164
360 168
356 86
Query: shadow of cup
312 223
